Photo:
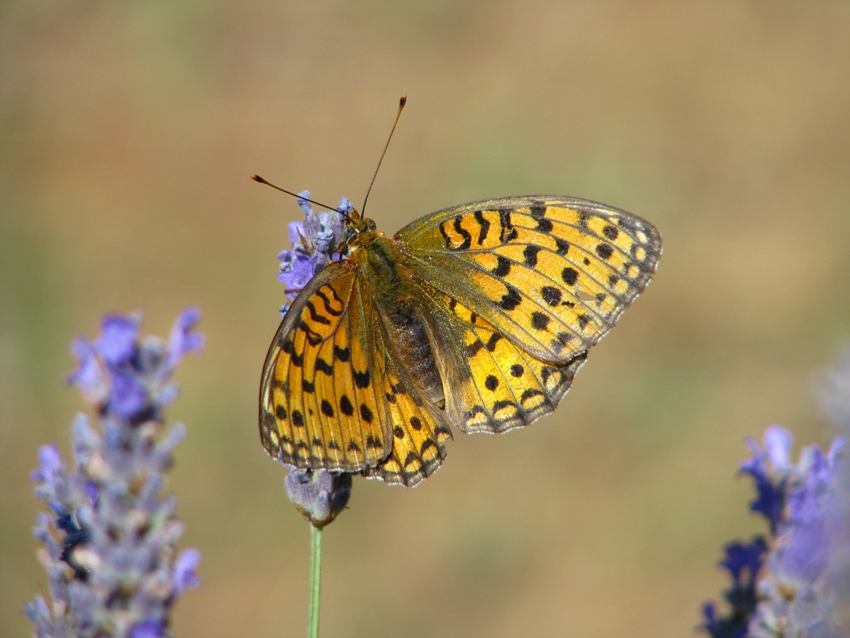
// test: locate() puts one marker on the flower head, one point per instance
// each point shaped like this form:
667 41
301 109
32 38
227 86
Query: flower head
792 595
108 538
126 377
318 495
315 242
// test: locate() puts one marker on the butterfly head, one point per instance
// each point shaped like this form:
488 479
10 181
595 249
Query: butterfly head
358 229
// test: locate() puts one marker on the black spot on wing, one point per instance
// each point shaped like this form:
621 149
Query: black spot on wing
511 299
323 366
503 266
551 295
530 255
604 251
611 232
362 379
345 405
569 275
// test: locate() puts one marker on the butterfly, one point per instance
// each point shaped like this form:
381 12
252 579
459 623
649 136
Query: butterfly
476 317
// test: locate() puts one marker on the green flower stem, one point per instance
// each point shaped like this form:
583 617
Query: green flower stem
315 579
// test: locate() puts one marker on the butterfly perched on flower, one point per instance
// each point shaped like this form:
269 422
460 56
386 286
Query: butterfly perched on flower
475 317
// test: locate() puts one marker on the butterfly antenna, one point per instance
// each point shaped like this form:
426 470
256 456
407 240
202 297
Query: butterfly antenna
401 104
257 178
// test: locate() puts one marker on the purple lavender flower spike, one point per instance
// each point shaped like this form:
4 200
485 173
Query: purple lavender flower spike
108 541
832 389
793 596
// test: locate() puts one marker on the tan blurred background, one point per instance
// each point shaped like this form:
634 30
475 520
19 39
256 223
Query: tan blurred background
127 135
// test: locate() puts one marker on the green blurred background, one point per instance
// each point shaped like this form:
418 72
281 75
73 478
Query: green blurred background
128 132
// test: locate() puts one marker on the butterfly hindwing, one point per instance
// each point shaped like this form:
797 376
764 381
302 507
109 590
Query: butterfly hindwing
492 385
419 427
553 274
320 403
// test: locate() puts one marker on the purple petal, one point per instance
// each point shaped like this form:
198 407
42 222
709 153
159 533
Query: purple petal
296 232
777 444
148 629
129 396
803 554
89 375
49 464
182 339
304 204
742 557
345 206
769 499
185 576
300 273
118 340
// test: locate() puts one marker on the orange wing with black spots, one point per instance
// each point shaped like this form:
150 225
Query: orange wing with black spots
494 385
525 287
321 405
552 274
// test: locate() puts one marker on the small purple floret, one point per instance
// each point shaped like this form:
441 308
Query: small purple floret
118 337
185 570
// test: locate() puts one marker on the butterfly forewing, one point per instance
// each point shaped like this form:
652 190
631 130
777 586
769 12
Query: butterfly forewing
320 406
552 274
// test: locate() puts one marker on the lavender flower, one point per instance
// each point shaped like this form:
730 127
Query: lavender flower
795 599
315 242
319 495
108 535
833 393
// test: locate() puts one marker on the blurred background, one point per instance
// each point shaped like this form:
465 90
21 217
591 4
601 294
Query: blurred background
128 132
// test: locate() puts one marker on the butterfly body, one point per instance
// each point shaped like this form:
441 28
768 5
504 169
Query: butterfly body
476 316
